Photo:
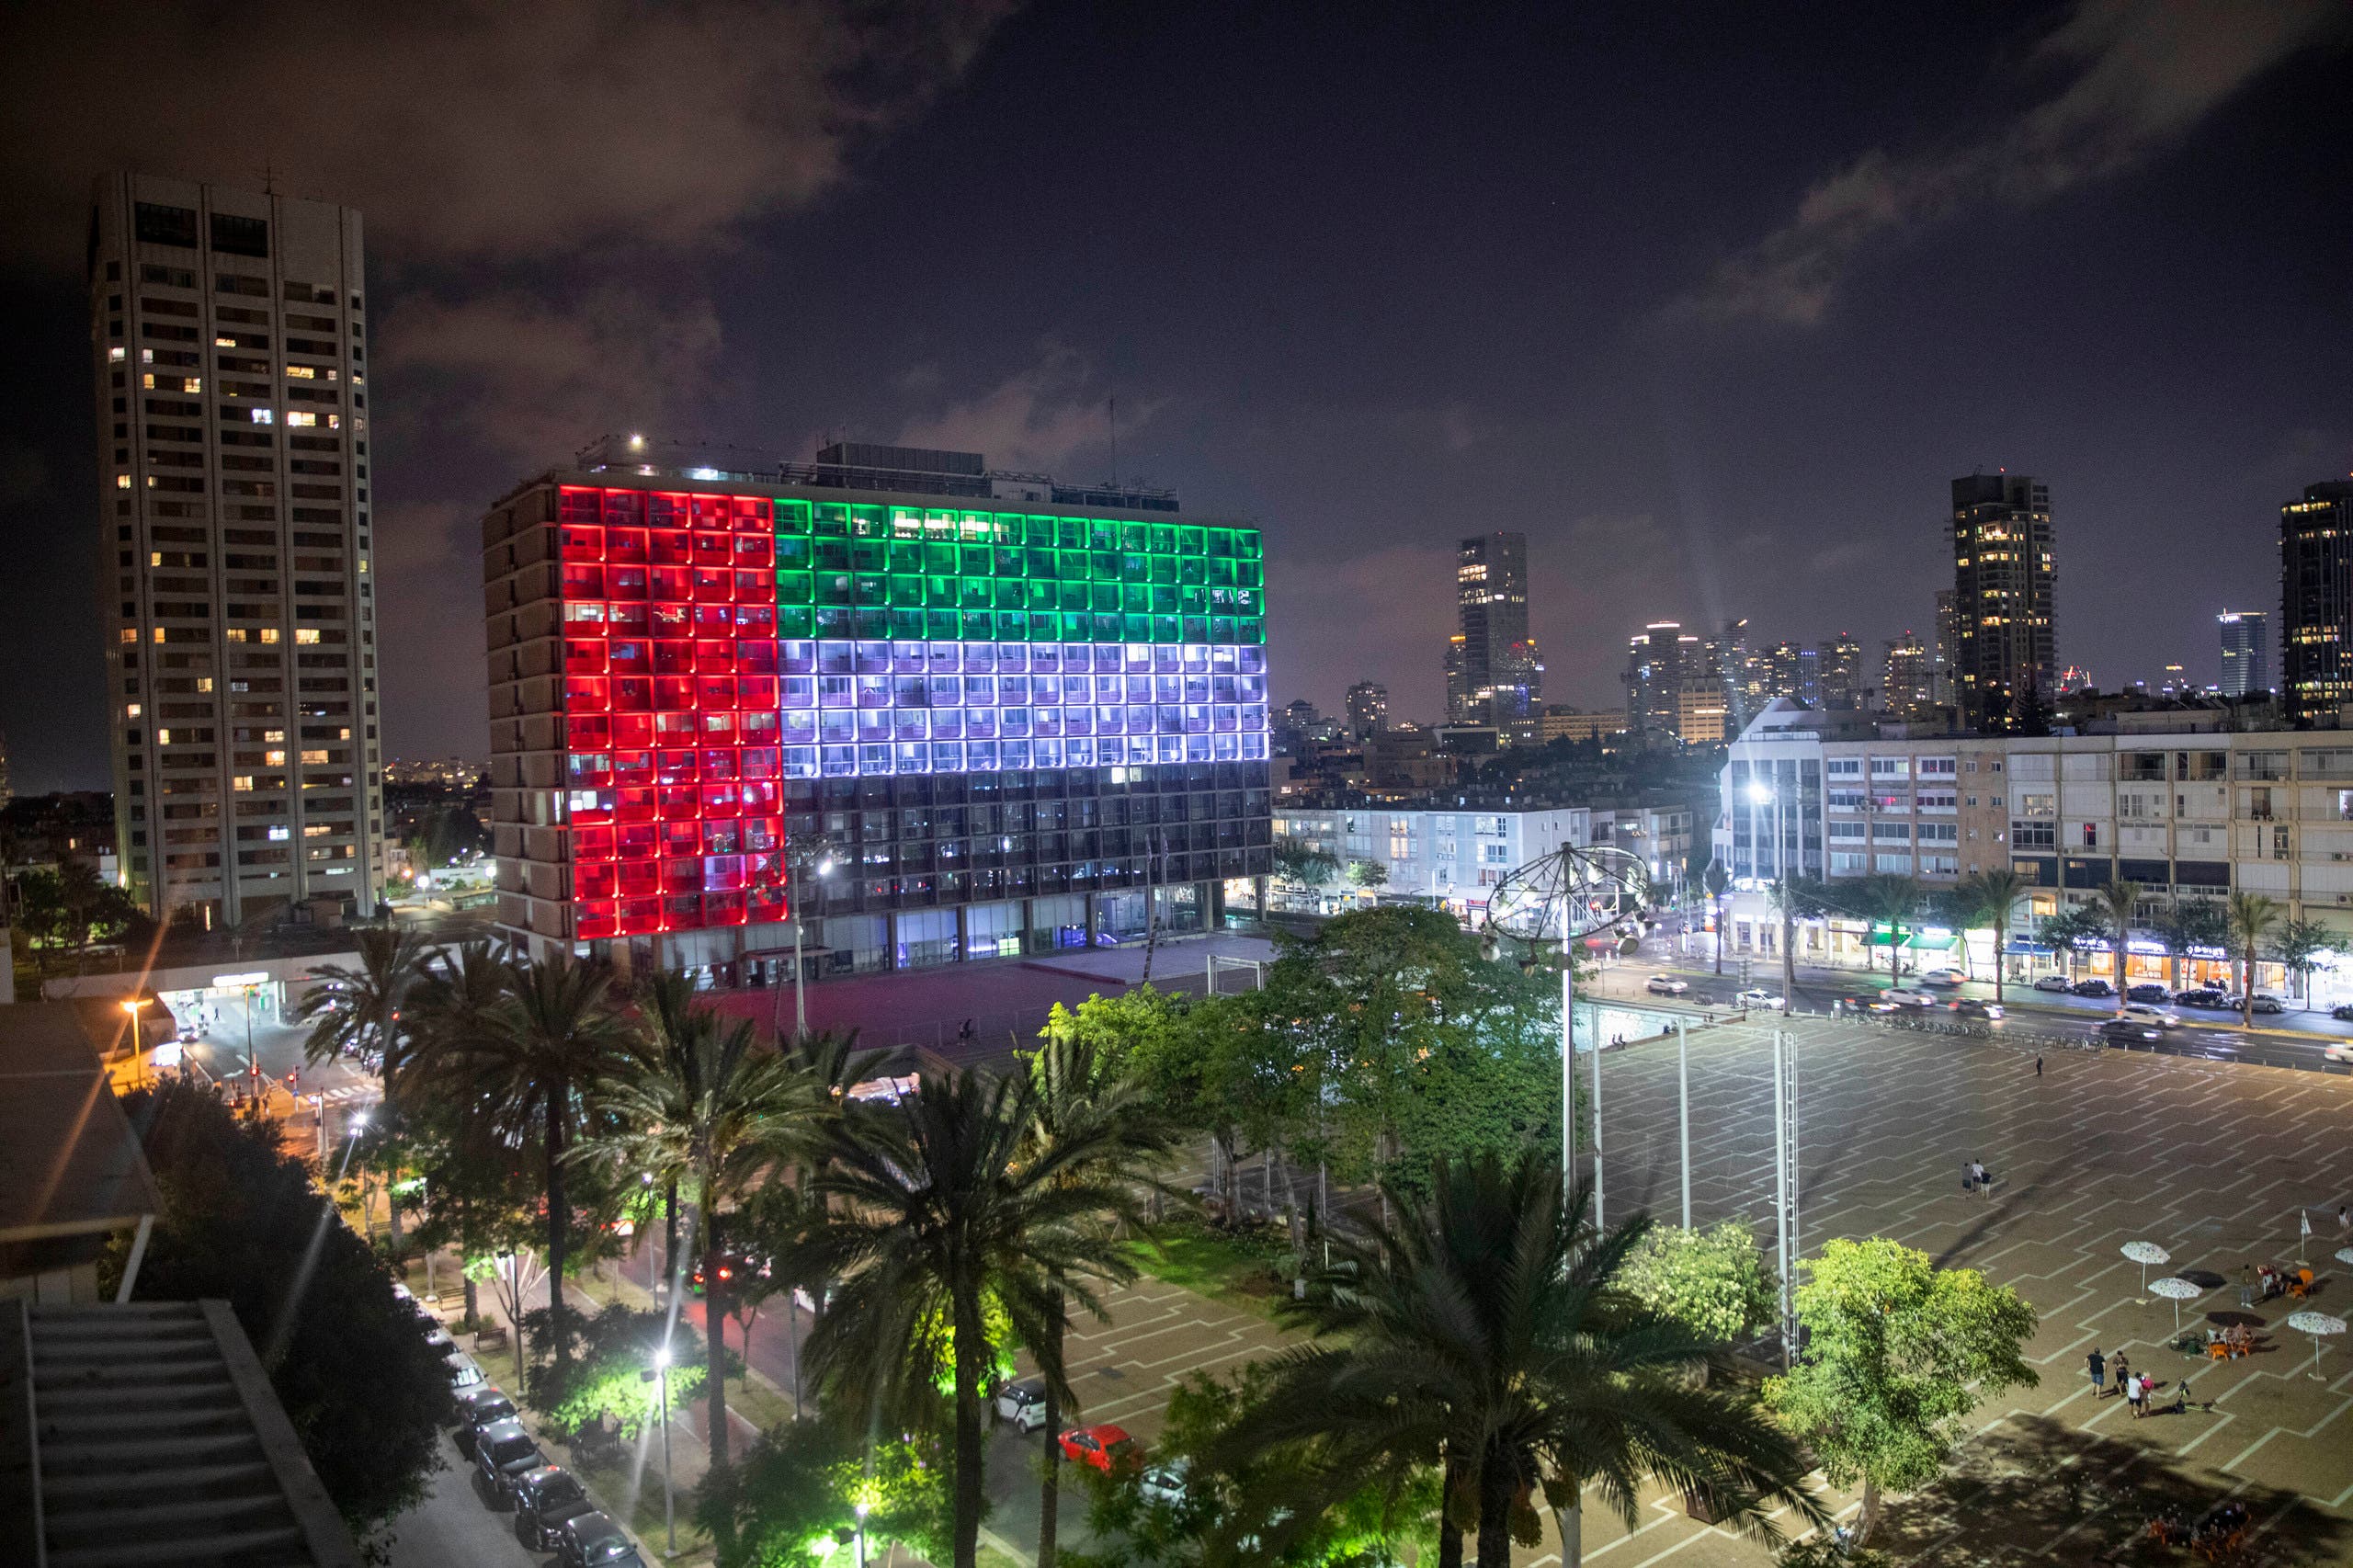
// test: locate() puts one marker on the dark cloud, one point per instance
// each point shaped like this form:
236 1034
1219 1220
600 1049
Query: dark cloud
2137 75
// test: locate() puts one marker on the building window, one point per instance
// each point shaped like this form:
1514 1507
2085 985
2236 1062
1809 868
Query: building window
156 225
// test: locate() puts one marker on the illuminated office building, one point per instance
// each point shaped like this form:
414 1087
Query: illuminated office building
1022 715
2316 602
2003 663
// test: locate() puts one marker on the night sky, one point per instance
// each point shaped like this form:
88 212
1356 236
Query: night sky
1711 302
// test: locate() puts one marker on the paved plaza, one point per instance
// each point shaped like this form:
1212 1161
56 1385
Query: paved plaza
2209 1161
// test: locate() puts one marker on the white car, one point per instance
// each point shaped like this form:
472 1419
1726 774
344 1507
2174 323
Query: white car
1904 998
2149 1013
1023 1403
1944 977
1757 996
1164 1483
465 1372
1666 985
2341 1051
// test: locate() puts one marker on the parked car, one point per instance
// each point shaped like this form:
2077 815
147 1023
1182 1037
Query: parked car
2051 982
1970 1007
545 1499
2201 996
1666 985
2164 1018
1944 978
477 1408
2093 988
593 1540
1757 996
503 1450
2342 1012
1907 998
465 1372
1023 1402
1165 1483
2146 991
1109 1449
2264 1003
2127 1030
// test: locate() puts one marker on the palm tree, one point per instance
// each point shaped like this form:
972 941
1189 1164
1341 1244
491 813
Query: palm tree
359 1009
554 1038
2253 917
940 1236
455 995
1486 1332
1892 899
2117 901
703 1107
1994 895
1079 1100
1718 882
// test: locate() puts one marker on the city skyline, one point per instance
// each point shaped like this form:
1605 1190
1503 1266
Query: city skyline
1733 406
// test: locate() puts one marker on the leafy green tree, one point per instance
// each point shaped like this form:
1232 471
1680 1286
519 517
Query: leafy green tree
1489 1332
1797 898
2117 902
1080 1101
1897 1353
1711 1282
605 1387
1369 1523
1992 899
1296 860
241 1220
2062 929
931 1212
793 1501
554 1038
453 998
359 1010
2300 945
2187 924
1368 874
2253 919
697 1104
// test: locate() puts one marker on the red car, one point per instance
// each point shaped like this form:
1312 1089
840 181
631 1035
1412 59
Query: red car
1108 1448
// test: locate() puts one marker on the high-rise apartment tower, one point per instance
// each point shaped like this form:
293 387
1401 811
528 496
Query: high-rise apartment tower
1368 707
1493 673
2247 652
231 386
2003 658
2316 602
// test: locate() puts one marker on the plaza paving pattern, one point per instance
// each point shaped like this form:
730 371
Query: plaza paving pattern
2209 1161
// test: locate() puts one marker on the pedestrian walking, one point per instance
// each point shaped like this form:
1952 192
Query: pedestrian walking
2181 1397
2097 1365
2246 1286
1968 1176
2344 1218
2122 1369
2037 1067
2135 1392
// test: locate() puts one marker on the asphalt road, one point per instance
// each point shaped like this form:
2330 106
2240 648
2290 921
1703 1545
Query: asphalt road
2213 1035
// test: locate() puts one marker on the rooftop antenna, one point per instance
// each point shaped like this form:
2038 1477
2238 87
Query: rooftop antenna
1115 441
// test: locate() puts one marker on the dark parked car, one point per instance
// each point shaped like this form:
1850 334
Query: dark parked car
2343 1011
479 1406
503 1450
2146 991
2093 988
2125 1031
544 1499
1970 1007
732 1266
593 1540
2201 996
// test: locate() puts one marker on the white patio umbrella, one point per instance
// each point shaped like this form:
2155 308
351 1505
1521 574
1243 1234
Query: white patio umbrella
2144 1254
2316 1324
2344 1254
2178 1290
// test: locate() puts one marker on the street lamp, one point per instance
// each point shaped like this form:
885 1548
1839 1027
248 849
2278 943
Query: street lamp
669 1500
132 1004
820 860
862 1511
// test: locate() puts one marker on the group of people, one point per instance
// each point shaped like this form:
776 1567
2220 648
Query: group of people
1976 1177
2134 1388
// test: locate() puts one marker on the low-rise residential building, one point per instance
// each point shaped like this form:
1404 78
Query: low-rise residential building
2192 815
1451 854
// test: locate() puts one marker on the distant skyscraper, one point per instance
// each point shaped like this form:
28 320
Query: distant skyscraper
1727 663
1839 673
2001 582
1777 673
1493 673
1659 659
2247 652
1940 667
2316 602
1907 691
228 329
1368 707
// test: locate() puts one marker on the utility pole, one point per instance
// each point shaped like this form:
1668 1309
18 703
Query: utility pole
1683 1102
1596 1120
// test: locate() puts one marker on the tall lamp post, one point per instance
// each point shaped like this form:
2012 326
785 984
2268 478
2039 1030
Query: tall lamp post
131 1006
819 861
669 1499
